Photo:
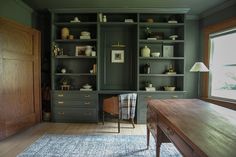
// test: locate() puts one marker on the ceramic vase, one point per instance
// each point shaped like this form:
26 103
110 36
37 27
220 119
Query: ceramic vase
145 52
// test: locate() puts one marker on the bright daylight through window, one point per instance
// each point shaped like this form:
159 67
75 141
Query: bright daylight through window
222 83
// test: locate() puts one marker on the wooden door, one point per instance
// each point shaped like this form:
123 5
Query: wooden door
20 105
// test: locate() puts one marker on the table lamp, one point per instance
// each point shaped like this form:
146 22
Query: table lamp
199 67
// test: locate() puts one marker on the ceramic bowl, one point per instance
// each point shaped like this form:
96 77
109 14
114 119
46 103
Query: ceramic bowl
87 86
169 88
155 54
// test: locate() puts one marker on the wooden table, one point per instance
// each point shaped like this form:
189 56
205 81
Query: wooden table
195 127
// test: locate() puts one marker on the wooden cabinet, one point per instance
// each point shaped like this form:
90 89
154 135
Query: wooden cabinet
20 105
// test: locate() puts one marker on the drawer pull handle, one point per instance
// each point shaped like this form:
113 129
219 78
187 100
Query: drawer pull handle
87 103
87 96
170 131
60 102
175 96
61 113
60 95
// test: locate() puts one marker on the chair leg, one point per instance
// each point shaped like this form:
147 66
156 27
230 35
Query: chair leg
103 117
118 125
132 120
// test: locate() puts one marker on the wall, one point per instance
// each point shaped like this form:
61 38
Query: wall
17 11
191 55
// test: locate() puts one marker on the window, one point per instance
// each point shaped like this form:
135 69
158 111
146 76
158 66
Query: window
222 78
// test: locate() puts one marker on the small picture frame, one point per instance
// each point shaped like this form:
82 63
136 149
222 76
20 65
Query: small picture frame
79 50
117 56
168 51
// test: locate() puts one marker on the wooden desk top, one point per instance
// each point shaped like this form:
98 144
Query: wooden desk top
209 128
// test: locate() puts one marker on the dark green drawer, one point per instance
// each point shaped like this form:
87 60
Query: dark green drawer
75 115
74 95
143 98
74 103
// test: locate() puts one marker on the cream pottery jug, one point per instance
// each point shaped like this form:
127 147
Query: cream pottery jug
88 50
145 52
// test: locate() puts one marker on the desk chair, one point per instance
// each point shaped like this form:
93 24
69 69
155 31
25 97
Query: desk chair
122 106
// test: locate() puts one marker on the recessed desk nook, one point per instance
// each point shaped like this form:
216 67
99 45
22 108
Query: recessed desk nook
195 127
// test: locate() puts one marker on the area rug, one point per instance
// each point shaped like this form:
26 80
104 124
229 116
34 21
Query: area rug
51 145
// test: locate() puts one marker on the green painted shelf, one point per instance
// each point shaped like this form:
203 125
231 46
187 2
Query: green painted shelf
75 40
160 41
161 58
75 74
74 24
75 57
161 25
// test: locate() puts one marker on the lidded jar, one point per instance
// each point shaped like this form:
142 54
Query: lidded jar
145 52
65 32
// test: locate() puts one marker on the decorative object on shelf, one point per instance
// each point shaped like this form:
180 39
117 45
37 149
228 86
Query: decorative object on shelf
150 89
65 32
147 68
56 49
86 87
79 50
172 19
100 17
173 37
93 53
63 70
85 35
199 67
88 50
155 54
75 20
168 51
170 70
91 71
65 84
150 20
169 88
157 35
117 56
148 32
94 68
71 37
129 20
104 18
145 52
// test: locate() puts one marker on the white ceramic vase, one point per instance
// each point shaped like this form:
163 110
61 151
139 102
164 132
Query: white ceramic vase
145 52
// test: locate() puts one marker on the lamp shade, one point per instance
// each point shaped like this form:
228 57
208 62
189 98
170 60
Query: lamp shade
199 67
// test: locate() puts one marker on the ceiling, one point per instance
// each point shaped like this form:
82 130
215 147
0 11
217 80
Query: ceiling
196 6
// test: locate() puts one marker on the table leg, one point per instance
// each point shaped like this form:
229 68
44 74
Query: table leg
148 137
158 147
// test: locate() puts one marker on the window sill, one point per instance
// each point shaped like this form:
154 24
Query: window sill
223 103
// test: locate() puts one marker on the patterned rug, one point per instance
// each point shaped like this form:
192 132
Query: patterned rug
51 145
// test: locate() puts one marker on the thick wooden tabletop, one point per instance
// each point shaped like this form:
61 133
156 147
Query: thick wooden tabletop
205 126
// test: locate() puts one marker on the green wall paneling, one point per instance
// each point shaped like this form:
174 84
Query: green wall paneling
118 75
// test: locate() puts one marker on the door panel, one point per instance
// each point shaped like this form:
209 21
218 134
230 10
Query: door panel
19 77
